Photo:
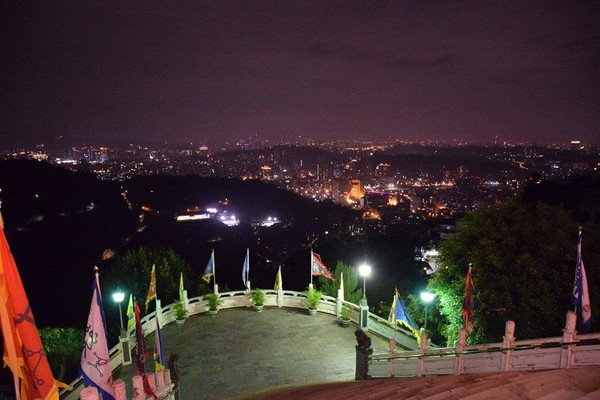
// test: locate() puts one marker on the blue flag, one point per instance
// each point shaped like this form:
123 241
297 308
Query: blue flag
399 315
246 269
159 354
210 268
581 296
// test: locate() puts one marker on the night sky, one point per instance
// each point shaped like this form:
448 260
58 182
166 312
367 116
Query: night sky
192 71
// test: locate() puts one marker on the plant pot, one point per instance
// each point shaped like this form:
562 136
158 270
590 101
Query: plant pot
180 321
258 308
344 323
312 311
212 313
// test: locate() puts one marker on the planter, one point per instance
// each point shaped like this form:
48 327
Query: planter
212 313
344 323
312 311
180 321
258 308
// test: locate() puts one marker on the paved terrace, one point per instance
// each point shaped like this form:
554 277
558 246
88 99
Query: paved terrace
241 351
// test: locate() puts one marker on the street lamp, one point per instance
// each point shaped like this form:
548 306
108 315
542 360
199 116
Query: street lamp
118 297
427 298
364 271
363 316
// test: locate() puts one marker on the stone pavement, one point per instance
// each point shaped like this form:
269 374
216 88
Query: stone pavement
241 351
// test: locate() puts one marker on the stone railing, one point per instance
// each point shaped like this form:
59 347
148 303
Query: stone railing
120 355
567 351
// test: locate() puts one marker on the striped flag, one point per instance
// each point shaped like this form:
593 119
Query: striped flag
95 359
581 296
152 288
467 308
141 354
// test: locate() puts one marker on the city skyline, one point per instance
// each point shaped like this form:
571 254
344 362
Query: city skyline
192 72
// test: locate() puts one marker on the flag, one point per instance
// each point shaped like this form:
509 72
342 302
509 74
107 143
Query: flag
152 288
399 315
130 314
318 268
467 308
159 354
342 285
581 296
32 375
278 280
210 268
181 288
246 269
141 354
95 359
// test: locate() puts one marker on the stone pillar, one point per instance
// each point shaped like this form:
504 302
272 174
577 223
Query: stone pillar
568 338
137 382
186 301
338 304
460 348
363 315
125 347
159 312
120 392
216 289
363 351
423 357
89 393
507 344
391 354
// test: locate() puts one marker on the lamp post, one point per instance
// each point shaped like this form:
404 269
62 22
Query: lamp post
118 297
363 320
427 298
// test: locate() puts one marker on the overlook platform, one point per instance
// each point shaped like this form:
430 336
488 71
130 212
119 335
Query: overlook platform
240 351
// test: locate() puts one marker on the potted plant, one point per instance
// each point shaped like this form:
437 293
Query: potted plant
179 312
313 298
344 320
213 301
258 299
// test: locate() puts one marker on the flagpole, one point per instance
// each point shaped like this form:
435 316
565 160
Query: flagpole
311 262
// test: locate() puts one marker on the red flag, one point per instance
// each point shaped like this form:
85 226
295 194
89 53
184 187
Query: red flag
31 371
152 288
140 348
319 268
467 308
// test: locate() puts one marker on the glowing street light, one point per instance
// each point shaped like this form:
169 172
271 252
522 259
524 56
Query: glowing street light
364 271
118 297
427 298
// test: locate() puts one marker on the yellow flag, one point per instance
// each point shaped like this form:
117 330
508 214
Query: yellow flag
278 281
152 289
130 314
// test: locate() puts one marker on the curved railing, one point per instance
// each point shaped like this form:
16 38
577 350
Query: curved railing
236 299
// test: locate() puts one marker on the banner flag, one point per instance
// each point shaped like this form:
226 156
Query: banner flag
152 288
278 280
159 354
399 315
32 376
318 268
246 269
95 359
141 354
209 271
181 289
581 296
467 308
130 314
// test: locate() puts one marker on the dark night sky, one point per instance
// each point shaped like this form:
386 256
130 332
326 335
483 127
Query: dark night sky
195 70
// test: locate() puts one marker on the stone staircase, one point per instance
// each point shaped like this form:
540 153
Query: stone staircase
557 384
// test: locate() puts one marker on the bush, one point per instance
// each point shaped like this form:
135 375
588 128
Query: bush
313 297
258 297
213 301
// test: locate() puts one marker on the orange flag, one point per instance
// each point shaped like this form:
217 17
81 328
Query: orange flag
32 375
152 289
